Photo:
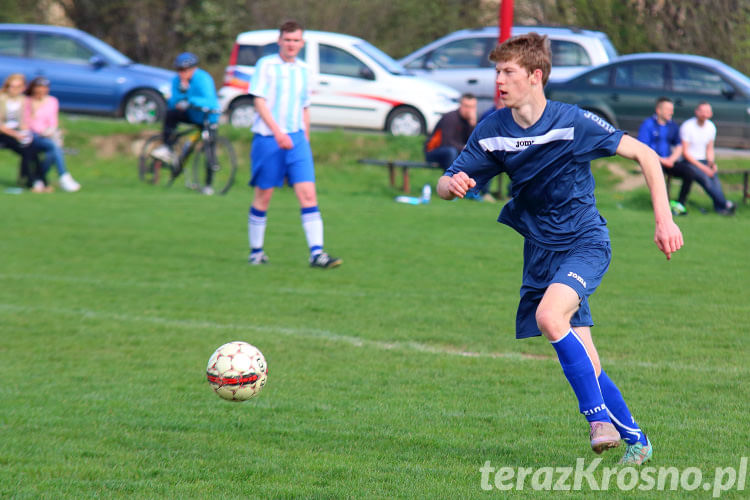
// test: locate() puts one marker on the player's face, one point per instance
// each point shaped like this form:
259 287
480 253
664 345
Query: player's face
290 43
513 83
665 111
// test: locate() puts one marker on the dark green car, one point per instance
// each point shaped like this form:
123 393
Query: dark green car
624 92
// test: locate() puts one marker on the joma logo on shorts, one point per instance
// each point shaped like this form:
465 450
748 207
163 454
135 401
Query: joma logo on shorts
524 143
577 278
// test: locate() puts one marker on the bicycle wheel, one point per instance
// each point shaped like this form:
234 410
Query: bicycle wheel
216 169
152 170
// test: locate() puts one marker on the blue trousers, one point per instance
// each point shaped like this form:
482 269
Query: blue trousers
711 185
52 154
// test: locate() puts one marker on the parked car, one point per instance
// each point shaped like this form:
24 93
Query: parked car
461 59
86 75
353 84
624 92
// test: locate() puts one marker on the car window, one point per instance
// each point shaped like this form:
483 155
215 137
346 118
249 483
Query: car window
640 75
566 53
336 61
11 43
599 78
248 55
465 53
59 48
695 79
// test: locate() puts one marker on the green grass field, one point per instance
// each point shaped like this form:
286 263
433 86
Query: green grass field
396 375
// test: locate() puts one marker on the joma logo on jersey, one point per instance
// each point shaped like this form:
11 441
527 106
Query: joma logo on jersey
577 278
524 143
599 121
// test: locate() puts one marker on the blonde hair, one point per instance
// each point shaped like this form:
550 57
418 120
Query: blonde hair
530 51
11 77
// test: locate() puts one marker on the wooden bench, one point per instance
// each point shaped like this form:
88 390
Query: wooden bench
405 166
745 181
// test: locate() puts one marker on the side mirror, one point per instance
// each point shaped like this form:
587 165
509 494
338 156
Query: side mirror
366 73
97 61
728 92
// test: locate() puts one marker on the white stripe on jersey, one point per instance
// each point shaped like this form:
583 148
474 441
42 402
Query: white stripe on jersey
285 88
515 144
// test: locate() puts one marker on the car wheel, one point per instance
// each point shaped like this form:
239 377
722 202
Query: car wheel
242 113
405 121
144 106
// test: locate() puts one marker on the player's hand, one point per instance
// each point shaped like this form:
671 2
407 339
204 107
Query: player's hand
284 141
182 105
668 238
460 183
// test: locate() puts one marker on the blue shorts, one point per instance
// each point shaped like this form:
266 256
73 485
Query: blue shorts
270 164
581 268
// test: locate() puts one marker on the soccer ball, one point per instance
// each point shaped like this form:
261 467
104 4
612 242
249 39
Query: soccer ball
237 371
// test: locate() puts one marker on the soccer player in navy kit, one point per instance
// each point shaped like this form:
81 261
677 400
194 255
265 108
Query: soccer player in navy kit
546 148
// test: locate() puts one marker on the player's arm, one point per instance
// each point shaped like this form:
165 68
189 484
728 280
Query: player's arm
458 184
306 121
667 235
261 107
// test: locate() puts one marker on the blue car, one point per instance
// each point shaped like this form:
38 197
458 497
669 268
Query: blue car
86 74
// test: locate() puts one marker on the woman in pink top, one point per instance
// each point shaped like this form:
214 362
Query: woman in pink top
40 115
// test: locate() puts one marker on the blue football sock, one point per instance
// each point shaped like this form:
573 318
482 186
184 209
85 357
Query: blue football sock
619 412
579 370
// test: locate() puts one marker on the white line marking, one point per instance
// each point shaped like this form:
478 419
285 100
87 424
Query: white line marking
310 333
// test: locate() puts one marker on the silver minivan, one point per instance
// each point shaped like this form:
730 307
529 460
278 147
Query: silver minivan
461 59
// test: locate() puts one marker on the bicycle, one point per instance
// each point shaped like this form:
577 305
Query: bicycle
208 150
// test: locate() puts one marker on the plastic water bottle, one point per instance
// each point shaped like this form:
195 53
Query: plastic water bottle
426 193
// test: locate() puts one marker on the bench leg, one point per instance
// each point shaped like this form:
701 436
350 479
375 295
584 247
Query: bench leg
745 192
392 174
407 185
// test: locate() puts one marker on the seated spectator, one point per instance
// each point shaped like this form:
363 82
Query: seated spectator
662 134
40 115
452 132
698 135
14 134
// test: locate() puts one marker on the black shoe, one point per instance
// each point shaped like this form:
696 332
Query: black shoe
325 261
730 210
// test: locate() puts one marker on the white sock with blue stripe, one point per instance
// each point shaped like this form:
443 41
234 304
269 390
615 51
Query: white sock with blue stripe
256 230
312 224
579 370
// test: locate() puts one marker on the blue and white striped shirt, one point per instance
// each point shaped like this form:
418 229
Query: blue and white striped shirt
286 89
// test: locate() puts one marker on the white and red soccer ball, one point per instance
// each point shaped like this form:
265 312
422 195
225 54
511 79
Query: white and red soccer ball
237 371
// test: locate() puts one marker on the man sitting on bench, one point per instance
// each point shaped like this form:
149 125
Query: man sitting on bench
452 133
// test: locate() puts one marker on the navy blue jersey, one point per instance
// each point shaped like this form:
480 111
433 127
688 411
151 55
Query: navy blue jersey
549 164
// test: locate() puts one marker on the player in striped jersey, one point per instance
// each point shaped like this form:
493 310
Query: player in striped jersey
281 145
546 148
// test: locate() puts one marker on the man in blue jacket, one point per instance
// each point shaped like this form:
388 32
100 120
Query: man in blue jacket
662 134
192 89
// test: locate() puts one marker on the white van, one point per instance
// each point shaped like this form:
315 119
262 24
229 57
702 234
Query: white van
353 84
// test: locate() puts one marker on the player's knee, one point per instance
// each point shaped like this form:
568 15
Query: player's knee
551 323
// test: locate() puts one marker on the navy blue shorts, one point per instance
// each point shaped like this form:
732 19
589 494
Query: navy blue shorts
581 268
271 164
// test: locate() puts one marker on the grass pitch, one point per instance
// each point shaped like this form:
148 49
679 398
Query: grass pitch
396 375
